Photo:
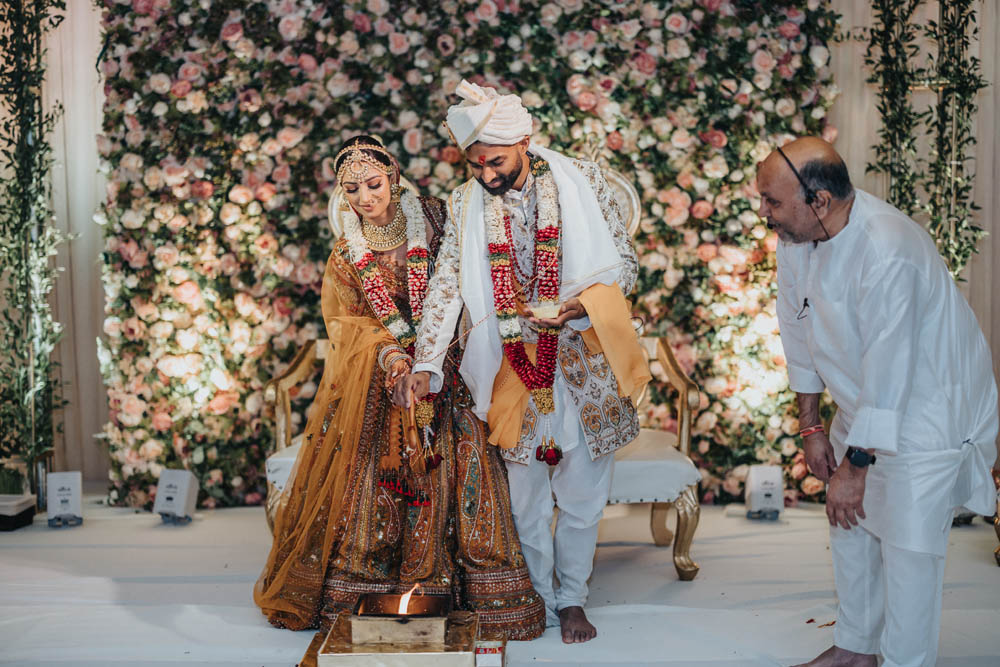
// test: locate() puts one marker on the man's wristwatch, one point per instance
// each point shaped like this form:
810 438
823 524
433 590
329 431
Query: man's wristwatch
859 457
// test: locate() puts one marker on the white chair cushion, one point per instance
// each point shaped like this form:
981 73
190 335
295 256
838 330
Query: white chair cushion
279 465
651 470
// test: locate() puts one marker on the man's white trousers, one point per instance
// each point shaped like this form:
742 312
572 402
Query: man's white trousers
890 599
581 488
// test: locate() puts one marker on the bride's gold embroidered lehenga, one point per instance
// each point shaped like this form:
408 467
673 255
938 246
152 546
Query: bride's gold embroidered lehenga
348 525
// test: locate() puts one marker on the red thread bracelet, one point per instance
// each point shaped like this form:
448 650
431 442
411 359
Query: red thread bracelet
810 430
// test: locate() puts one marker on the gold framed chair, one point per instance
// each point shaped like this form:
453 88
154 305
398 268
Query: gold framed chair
278 392
656 469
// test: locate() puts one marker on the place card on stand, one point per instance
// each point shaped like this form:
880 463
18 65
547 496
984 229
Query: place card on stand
65 502
176 495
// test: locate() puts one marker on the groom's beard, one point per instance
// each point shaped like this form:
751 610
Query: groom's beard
504 182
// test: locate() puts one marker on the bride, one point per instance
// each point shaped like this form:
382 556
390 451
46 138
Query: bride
380 499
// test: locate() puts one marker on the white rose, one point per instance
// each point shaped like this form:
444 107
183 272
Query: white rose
159 83
579 60
784 107
716 167
762 80
678 48
819 55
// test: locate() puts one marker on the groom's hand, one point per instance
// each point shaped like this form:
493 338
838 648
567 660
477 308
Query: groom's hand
571 310
419 384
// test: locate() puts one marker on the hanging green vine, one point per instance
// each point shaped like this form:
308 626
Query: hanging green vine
891 55
943 180
948 182
29 390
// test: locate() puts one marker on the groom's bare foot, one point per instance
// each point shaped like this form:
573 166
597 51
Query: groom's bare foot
841 657
576 629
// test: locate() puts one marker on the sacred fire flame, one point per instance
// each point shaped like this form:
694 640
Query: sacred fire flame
404 601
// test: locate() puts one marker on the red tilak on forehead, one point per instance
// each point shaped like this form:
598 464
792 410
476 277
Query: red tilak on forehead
482 159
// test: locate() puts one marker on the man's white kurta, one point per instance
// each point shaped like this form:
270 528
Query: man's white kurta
873 316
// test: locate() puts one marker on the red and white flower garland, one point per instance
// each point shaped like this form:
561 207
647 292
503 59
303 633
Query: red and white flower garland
416 271
537 377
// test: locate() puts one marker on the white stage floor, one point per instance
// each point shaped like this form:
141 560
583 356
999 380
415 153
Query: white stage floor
126 589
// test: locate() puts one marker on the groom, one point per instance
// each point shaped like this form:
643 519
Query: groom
537 254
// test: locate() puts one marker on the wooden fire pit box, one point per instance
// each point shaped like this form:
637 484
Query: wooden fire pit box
375 620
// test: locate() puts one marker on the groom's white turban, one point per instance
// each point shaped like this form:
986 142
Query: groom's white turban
485 115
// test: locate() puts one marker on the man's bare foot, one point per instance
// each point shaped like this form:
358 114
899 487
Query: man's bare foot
576 629
841 657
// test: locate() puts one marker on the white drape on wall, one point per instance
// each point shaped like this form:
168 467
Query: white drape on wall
78 188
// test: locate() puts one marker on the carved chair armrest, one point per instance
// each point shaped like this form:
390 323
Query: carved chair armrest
687 391
278 390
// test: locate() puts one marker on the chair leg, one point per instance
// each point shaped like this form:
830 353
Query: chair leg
688 513
658 515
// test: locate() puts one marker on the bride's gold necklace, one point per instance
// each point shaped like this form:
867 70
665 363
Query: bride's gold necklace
386 237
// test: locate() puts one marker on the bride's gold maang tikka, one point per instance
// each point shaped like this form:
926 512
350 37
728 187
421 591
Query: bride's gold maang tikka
358 162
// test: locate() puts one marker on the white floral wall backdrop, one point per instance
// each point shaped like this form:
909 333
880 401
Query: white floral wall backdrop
221 122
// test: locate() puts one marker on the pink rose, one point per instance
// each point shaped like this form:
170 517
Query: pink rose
133 406
701 209
677 23
571 40
290 136
615 141
143 6
763 61
222 402
398 43
811 486
308 63
413 140
202 189
180 88
676 216
188 293
707 251
289 27
265 192
266 243
162 421
799 470
189 72
281 173
177 223
362 23
486 10
133 328
685 180
711 5
446 44
231 31
378 7
677 198
789 30
586 101
645 63
714 138
451 154
383 27
241 194
830 133
250 100
306 274
167 255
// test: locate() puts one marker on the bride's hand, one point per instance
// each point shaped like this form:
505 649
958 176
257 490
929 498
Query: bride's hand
400 369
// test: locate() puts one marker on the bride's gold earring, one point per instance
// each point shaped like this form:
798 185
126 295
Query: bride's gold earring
397 191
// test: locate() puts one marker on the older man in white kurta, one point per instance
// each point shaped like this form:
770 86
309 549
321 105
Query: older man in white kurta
524 185
869 312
